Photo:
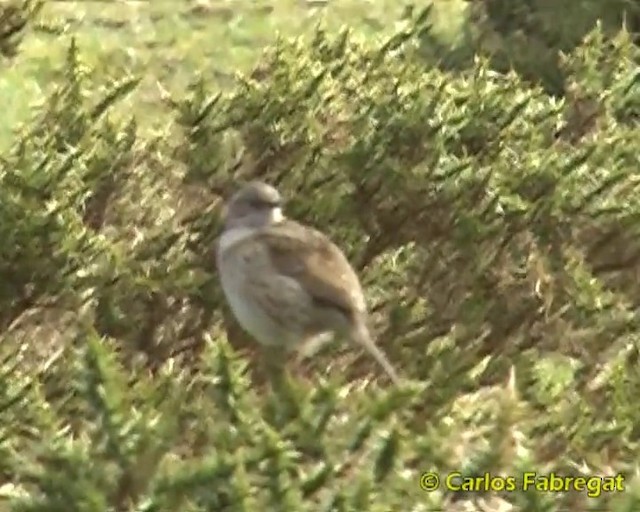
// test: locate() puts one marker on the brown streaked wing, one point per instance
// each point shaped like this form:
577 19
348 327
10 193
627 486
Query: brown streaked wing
310 257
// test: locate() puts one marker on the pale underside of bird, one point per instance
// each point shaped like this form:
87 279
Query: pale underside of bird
288 285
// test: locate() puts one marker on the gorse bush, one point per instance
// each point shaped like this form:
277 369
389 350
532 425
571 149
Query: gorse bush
495 228
528 36
14 18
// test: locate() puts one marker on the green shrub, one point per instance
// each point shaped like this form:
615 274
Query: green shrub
529 36
494 226
14 18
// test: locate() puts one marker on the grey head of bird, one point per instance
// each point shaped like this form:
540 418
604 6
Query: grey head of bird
255 205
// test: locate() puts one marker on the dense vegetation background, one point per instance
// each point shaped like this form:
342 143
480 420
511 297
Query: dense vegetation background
479 163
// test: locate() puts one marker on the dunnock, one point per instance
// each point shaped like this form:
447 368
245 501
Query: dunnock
288 284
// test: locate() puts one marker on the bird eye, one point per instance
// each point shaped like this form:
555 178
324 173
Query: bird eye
262 203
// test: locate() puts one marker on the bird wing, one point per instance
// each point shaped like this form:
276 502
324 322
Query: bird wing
311 258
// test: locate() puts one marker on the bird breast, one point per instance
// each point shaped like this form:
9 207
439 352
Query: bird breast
250 285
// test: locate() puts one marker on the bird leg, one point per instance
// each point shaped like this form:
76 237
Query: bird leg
312 346
273 362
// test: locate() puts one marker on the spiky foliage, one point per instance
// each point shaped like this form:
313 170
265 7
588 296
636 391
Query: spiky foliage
14 18
529 36
495 227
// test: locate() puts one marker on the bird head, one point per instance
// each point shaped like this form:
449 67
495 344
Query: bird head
255 205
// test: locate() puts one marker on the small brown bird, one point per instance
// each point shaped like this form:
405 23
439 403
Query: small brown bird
288 285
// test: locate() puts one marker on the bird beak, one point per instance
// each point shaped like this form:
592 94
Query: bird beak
276 215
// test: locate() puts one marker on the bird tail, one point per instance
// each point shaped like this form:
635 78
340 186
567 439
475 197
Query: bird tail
362 337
